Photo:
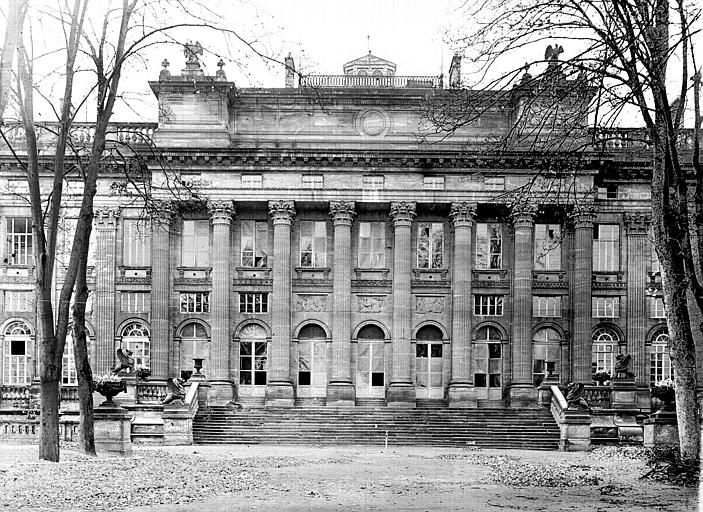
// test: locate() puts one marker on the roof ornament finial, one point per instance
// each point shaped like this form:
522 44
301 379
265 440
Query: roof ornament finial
368 43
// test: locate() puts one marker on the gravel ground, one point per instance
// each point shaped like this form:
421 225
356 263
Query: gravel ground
262 478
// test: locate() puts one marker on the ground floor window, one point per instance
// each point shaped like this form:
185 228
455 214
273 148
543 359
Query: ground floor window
488 363
370 362
252 356
660 361
194 344
546 353
605 348
17 368
136 338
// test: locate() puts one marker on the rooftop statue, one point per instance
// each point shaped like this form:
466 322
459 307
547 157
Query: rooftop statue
191 52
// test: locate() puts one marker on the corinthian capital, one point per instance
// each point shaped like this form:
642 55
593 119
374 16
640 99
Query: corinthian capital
221 212
463 214
106 218
282 212
523 214
637 223
402 212
583 215
342 212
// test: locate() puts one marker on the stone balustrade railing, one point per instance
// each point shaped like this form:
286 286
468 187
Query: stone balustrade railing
150 393
82 134
598 396
624 139
69 394
16 394
574 423
370 81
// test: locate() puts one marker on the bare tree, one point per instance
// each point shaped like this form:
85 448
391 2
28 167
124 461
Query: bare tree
634 56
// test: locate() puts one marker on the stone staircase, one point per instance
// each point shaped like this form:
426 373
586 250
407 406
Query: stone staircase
427 426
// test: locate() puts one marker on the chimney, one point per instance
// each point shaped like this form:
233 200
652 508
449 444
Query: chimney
455 71
290 72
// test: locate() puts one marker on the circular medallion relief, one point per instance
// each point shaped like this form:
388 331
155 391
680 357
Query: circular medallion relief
373 123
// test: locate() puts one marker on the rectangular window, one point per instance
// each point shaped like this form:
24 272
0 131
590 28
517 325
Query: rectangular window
605 307
372 244
196 243
372 182
136 243
313 243
430 245
135 302
433 182
18 300
547 247
606 247
255 243
546 306
489 246
656 307
253 302
195 302
19 241
17 365
313 181
488 305
252 181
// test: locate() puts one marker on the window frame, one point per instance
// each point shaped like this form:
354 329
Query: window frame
486 257
317 240
606 251
194 302
19 245
547 249
257 243
493 303
197 255
249 304
376 244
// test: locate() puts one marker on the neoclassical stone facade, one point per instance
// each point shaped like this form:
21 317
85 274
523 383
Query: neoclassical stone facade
331 258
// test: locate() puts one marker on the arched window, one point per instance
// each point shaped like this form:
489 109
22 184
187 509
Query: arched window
135 337
312 347
605 347
17 366
660 362
370 361
488 363
69 377
194 343
428 362
546 353
252 356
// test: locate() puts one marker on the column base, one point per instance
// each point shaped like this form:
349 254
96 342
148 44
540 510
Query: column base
522 395
461 396
221 392
279 394
113 429
624 393
401 395
341 394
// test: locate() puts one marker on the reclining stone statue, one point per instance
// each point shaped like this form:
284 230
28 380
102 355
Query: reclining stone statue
574 396
126 361
176 390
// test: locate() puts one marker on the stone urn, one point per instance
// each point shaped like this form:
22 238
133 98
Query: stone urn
665 392
109 388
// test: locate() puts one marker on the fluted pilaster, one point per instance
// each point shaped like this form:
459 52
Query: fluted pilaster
104 309
279 389
583 275
160 332
637 228
221 213
522 390
340 390
401 391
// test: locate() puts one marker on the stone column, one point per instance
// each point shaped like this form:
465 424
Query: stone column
279 389
221 390
104 305
401 391
458 393
522 391
637 227
160 331
340 390
583 276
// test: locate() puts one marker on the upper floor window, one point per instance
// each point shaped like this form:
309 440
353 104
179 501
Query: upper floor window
136 243
313 243
433 182
255 243
430 245
195 250
372 244
488 305
606 247
546 306
656 307
605 307
489 246
252 181
253 302
19 241
313 181
547 247
372 182
16 300
195 302
135 302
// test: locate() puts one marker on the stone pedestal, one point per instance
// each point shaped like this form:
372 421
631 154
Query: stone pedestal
340 394
660 430
522 395
575 431
279 394
130 396
544 391
401 395
461 396
113 429
203 388
178 425
624 394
